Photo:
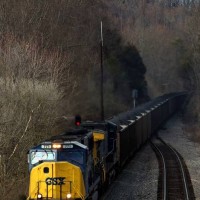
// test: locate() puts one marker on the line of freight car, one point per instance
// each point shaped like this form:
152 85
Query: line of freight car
78 163
136 126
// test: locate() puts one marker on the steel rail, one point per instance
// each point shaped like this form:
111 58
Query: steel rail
182 170
165 172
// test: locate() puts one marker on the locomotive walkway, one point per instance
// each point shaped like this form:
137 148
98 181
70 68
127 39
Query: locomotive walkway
174 179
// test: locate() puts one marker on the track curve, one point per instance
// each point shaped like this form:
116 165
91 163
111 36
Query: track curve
174 179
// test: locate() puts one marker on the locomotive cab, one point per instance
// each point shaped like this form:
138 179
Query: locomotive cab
72 152
58 170
73 165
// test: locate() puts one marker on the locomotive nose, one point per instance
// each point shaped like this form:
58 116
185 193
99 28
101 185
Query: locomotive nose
56 180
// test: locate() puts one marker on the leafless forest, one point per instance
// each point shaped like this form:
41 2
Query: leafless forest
50 67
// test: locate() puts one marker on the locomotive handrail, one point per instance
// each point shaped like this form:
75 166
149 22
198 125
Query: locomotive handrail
81 195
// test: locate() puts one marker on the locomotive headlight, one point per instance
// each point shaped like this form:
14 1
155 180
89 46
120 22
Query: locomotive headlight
69 196
56 146
39 196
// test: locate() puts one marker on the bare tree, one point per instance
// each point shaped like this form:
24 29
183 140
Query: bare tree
29 102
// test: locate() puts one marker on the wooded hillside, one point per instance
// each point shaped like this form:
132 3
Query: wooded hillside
50 67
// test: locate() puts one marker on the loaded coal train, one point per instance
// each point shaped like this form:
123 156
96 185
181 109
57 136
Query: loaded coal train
80 163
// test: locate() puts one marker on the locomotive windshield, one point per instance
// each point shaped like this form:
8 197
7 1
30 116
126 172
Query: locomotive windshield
74 153
37 156
71 156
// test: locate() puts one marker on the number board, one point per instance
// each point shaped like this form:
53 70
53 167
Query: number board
46 146
68 146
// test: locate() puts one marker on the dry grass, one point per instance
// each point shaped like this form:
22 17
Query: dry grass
28 114
28 105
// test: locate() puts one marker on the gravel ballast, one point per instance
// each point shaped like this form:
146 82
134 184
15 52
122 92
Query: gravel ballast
189 150
139 178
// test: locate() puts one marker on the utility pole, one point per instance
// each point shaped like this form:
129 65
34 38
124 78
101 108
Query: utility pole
134 96
101 92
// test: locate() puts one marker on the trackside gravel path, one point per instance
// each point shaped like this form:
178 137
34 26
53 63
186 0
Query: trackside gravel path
139 178
190 151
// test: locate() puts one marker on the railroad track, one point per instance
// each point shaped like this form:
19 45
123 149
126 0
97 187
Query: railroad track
174 180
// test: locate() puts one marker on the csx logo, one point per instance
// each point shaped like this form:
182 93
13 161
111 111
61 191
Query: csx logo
55 181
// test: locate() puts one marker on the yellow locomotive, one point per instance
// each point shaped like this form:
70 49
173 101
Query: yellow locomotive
72 165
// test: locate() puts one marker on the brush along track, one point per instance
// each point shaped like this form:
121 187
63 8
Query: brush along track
174 179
